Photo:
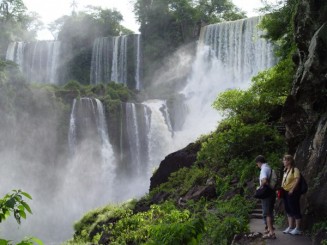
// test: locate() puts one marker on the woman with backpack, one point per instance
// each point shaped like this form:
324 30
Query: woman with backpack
292 194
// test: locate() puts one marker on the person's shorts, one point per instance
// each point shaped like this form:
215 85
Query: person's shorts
268 205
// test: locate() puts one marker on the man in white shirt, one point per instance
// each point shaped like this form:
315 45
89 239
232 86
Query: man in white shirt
269 202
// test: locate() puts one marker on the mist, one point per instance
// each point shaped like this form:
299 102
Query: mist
64 155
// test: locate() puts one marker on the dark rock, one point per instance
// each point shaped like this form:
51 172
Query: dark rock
305 111
173 162
319 237
104 239
142 206
196 192
160 197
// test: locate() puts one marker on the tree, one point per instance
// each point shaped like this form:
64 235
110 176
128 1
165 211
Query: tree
16 23
14 204
166 25
78 32
277 22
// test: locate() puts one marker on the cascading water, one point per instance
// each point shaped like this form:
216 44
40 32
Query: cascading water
38 61
160 134
133 135
134 144
138 62
229 54
87 122
117 59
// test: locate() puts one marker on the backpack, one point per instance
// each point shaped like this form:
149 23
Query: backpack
303 186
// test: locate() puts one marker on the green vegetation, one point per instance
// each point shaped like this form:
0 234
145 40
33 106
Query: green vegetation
167 25
111 94
16 23
77 32
250 128
162 224
14 204
278 24
226 156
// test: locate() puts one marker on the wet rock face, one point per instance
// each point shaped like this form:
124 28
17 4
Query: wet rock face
173 162
305 111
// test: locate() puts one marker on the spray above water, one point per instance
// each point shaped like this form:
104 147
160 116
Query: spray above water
229 54
98 171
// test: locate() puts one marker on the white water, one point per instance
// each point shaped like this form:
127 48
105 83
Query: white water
229 54
160 136
111 59
38 61
85 180
133 137
138 62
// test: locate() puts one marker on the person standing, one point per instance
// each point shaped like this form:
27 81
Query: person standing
269 202
292 195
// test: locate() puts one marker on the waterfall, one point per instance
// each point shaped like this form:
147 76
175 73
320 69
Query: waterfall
88 123
138 62
72 130
229 54
117 59
160 136
38 61
133 135
237 44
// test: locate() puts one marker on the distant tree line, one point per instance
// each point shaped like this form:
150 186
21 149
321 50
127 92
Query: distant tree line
166 25
16 24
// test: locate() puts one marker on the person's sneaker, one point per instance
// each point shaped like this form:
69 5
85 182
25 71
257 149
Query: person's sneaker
288 230
295 232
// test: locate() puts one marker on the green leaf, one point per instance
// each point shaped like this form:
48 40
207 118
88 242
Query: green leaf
26 195
27 207
25 243
10 203
37 241
22 214
4 242
18 198
2 217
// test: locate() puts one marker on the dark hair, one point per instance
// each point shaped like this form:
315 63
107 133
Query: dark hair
260 159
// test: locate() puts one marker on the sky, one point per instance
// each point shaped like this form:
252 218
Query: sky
50 10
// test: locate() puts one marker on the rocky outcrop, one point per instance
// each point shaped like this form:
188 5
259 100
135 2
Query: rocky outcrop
305 111
173 162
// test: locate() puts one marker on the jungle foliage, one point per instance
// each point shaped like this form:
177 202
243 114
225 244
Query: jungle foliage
77 33
166 25
14 203
226 157
251 127
16 23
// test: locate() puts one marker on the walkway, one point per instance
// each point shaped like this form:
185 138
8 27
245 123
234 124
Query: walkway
256 225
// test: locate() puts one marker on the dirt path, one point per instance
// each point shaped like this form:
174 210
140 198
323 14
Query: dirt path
257 225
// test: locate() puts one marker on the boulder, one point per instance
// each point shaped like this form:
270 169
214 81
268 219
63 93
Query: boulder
173 162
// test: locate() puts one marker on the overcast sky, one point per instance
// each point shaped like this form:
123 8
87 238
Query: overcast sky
50 10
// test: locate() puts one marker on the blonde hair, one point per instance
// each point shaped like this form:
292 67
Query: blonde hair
289 158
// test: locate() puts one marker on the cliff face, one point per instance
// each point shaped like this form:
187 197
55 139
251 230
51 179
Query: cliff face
305 111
